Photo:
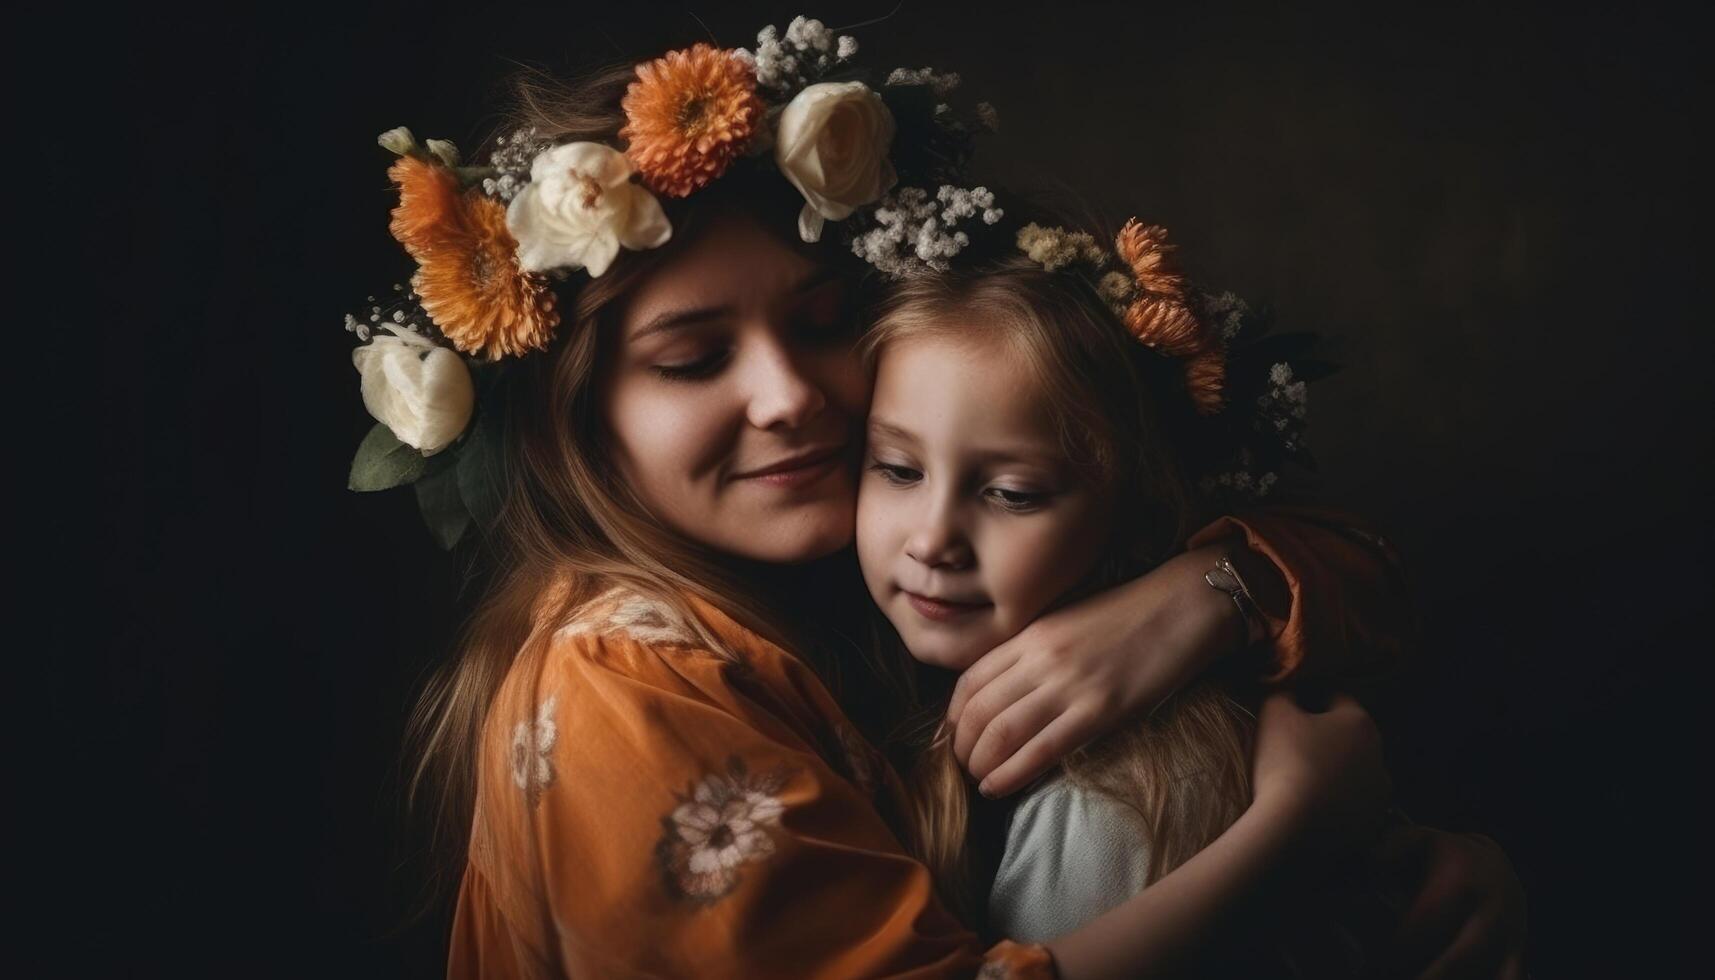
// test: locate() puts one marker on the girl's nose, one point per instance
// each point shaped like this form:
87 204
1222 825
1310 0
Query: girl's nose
939 543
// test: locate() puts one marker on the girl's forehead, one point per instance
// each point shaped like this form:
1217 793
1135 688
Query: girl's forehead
966 386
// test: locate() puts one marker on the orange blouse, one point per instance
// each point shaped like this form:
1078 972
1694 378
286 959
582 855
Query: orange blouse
649 808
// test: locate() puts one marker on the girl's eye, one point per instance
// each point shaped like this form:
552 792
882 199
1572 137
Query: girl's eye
899 476
1016 500
702 367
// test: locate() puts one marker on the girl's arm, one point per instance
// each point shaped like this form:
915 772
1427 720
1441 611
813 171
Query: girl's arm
1319 785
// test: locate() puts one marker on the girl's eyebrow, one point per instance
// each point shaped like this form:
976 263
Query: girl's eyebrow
881 427
675 319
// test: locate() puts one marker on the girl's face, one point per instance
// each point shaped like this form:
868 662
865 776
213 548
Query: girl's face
734 397
971 521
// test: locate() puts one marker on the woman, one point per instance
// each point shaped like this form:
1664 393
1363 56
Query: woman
661 788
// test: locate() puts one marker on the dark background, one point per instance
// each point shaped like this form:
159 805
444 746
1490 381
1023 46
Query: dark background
1493 211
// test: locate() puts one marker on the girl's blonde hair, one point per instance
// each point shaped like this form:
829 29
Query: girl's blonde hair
569 528
1184 769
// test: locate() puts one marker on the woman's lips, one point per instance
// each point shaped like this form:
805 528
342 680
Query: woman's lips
941 610
798 471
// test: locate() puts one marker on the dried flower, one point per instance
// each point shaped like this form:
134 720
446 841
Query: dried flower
941 83
915 233
399 140
688 116
1057 248
474 290
806 53
1205 377
444 151
1165 324
1144 248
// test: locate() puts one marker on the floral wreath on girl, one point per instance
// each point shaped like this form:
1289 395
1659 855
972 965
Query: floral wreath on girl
491 241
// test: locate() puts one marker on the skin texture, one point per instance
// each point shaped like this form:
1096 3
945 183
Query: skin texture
966 497
721 372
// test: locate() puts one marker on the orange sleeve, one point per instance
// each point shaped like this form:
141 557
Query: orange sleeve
1351 614
642 815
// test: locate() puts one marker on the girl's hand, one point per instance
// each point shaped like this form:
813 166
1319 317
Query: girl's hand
1465 911
1077 672
1321 772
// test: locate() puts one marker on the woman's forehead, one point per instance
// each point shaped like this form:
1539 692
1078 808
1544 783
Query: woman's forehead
734 262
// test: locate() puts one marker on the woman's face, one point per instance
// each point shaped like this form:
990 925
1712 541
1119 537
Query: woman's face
735 398
971 521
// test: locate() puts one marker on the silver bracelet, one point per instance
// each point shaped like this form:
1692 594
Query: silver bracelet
1226 578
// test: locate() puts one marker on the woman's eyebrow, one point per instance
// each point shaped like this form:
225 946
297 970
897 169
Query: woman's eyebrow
674 319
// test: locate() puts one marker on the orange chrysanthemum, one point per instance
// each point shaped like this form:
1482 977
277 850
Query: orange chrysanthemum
1161 317
469 282
1145 249
1165 324
429 204
1205 378
688 116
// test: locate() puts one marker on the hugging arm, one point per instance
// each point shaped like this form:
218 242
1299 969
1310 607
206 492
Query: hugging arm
1320 787
1330 591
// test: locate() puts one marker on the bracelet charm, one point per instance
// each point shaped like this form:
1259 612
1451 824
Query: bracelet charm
1226 578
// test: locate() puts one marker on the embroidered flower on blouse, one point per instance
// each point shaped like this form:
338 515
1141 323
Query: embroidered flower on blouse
625 613
723 823
531 742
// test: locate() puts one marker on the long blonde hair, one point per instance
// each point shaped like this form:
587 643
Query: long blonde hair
568 528
1184 768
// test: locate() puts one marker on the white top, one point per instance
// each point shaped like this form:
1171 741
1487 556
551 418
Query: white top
1071 854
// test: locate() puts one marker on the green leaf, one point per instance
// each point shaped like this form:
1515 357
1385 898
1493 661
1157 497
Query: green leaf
479 469
442 508
383 462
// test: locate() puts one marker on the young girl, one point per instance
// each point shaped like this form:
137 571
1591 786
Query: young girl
1021 453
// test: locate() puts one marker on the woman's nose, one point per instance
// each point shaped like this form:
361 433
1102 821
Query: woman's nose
782 394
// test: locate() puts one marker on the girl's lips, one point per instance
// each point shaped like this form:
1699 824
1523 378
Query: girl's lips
940 610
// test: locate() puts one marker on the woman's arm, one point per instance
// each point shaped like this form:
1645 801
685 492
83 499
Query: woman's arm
651 811
1331 591
1319 786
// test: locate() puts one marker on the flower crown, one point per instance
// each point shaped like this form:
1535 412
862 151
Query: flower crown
490 241
1224 351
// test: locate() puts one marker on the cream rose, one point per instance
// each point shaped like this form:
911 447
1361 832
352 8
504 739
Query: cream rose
832 144
580 207
417 388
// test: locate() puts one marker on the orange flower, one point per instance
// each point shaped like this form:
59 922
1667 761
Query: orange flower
1145 249
1161 319
469 283
688 116
429 203
1205 376
1165 324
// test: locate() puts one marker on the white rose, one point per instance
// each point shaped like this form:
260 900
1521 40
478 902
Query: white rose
580 207
832 145
417 388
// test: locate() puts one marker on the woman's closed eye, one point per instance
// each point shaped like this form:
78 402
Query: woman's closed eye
695 368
